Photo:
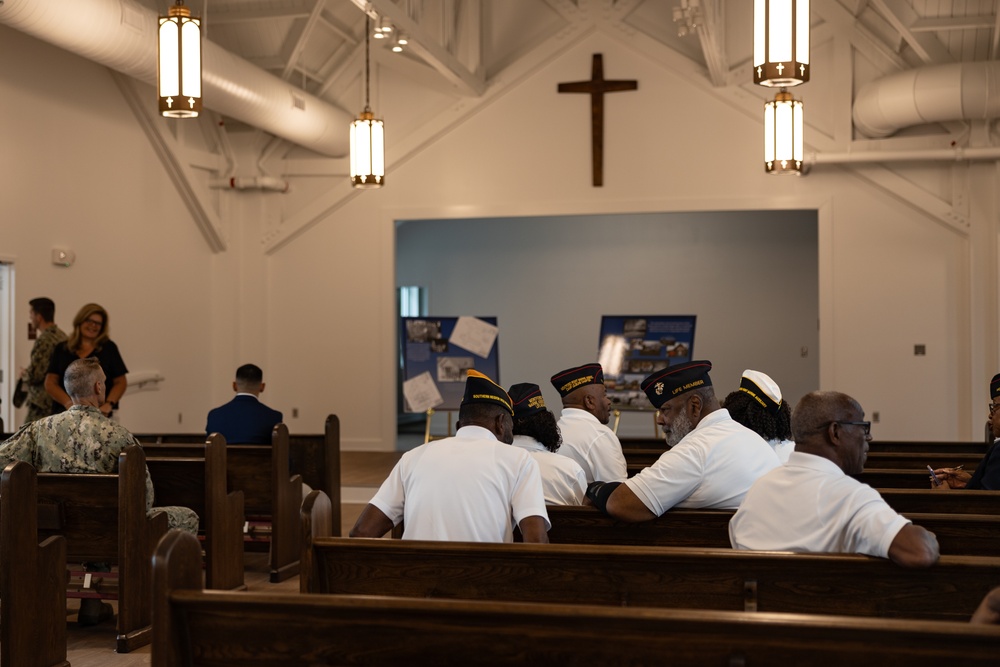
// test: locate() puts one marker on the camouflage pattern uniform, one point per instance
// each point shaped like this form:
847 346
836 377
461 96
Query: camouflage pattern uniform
39 402
83 440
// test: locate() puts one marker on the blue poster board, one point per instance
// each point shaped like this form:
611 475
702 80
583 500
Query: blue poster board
426 348
634 346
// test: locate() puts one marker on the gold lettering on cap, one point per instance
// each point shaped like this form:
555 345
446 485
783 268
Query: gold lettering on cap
536 402
686 387
573 384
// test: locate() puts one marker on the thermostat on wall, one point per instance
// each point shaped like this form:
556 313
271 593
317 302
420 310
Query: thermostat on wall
63 257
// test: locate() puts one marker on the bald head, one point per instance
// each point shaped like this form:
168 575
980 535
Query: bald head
821 426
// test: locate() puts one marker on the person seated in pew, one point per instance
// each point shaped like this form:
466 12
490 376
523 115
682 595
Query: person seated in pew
987 475
536 431
810 504
245 420
467 488
988 612
711 459
83 440
583 424
758 405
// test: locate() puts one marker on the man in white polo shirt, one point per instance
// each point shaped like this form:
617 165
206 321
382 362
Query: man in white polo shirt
583 424
811 505
712 461
472 487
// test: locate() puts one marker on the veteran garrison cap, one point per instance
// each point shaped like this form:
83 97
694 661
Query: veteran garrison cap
481 389
572 379
672 381
527 399
763 389
995 386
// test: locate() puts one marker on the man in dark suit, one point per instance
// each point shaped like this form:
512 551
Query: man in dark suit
245 420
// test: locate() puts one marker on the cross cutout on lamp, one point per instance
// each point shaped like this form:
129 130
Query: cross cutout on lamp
597 86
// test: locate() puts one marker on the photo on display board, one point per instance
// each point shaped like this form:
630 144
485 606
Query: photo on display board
430 352
632 347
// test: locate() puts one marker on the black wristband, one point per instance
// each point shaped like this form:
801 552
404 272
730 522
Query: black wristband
599 492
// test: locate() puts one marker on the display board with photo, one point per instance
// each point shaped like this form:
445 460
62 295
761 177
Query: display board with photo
436 353
634 346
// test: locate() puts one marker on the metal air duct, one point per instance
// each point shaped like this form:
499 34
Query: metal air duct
935 94
121 34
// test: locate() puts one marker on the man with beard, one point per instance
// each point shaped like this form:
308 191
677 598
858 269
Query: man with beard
468 488
711 462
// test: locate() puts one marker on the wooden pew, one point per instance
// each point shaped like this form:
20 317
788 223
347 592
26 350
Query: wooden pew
887 478
32 578
957 534
214 628
690 578
103 518
316 457
956 501
269 490
199 482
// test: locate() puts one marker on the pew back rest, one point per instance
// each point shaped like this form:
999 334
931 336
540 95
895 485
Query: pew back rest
213 629
92 510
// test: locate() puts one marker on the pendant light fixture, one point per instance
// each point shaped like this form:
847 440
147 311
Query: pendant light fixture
367 136
783 135
780 42
179 63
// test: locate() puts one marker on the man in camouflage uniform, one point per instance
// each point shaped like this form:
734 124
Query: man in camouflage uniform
42 314
82 439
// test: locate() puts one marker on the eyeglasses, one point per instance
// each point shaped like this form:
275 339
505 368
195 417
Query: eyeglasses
867 426
993 407
96 323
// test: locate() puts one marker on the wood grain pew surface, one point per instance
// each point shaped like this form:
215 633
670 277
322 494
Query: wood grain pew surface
199 483
662 576
261 473
957 534
32 578
213 628
103 519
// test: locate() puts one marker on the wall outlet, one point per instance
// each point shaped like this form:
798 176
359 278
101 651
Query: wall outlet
876 417
180 417
295 413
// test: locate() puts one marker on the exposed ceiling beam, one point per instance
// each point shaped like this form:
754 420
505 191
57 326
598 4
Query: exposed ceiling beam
953 23
433 54
712 35
901 15
291 10
302 39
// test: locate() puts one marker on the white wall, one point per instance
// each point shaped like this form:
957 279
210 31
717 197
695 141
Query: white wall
78 172
750 277
889 275
318 312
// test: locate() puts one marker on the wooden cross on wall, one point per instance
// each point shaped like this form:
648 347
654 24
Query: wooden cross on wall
597 86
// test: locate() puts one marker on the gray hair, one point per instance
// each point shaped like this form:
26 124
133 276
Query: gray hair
81 376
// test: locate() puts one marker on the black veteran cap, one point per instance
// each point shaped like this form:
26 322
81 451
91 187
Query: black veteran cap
481 389
572 379
672 381
763 389
527 399
995 386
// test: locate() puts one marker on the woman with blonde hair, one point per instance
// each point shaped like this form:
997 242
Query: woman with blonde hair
89 339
